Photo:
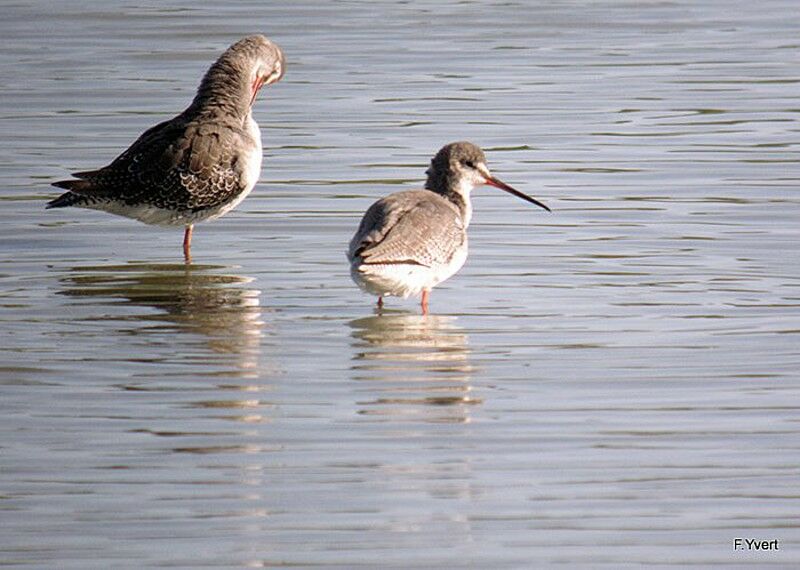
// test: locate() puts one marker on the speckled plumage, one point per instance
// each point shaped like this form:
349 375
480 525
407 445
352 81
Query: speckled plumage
410 241
198 165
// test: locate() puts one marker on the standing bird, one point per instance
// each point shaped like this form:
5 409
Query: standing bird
198 165
409 242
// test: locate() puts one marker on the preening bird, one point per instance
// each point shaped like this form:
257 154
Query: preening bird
198 165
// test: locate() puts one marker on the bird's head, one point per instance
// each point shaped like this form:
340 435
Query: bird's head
241 71
267 62
460 166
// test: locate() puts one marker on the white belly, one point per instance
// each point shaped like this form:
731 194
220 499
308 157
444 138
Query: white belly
403 280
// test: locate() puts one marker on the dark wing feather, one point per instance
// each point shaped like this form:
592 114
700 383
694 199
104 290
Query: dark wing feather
176 164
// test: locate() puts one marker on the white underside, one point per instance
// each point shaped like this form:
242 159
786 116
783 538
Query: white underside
162 217
404 280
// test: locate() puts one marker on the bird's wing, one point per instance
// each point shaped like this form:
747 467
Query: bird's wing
414 227
175 163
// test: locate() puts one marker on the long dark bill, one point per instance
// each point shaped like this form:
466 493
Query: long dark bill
492 181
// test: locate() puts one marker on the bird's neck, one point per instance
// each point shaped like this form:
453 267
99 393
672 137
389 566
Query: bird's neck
456 191
223 89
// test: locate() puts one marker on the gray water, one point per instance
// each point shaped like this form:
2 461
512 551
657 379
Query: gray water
613 384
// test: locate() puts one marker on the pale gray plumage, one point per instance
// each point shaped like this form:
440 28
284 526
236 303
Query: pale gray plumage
197 165
411 241
409 227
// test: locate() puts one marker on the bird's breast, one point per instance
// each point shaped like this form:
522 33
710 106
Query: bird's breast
252 159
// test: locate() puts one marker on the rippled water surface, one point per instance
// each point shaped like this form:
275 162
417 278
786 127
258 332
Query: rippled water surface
613 384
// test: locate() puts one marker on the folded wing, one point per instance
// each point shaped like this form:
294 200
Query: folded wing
416 227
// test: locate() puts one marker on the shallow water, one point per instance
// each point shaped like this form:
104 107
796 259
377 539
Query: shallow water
612 384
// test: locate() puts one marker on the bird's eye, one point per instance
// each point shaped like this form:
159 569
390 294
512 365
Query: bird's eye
468 164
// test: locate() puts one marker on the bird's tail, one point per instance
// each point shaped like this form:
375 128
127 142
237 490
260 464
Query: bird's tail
75 195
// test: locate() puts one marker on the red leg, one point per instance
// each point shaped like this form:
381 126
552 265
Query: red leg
187 243
425 295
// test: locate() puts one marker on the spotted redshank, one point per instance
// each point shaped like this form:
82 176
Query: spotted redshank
409 242
198 165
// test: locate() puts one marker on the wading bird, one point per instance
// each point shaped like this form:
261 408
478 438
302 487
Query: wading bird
198 165
409 242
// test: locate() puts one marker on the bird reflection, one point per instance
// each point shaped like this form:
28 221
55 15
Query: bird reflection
414 366
190 298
